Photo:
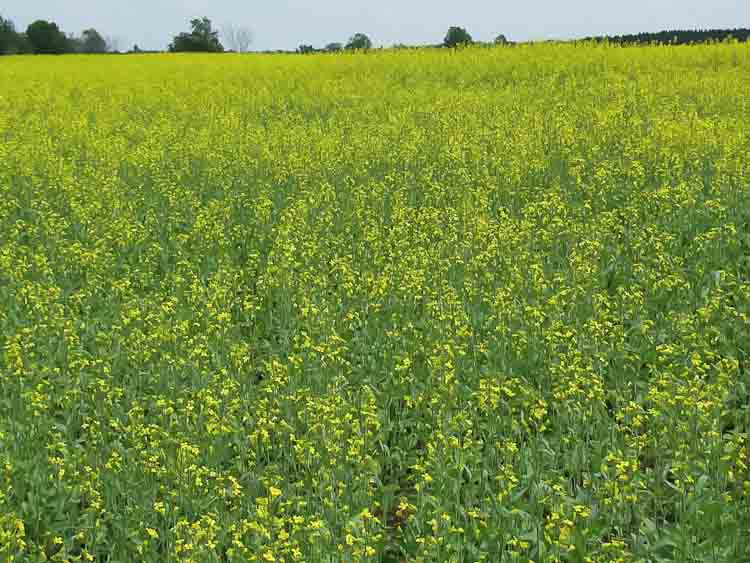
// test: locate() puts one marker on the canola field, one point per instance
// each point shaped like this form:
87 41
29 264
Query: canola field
490 305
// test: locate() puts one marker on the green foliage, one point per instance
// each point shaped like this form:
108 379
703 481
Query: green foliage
46 38
430 306
73 44
8 37
93 42
457 36
202 38
677 37
334 47
501 40
359 41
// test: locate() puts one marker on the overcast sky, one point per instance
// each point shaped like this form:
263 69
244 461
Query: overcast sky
285 24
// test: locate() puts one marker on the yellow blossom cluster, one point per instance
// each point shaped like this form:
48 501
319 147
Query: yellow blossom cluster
475 305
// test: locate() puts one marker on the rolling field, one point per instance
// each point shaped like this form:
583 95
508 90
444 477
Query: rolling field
480 306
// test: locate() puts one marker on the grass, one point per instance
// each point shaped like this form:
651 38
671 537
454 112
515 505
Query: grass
486 305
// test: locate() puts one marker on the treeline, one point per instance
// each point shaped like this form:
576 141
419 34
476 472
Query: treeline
44 37
677 37
455 37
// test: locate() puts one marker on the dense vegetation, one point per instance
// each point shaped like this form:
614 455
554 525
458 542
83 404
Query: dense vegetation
678 37
202 38
477 305
45 37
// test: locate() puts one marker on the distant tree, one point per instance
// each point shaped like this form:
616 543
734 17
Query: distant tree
334 47
73 44
23 45
305 49
238 38
677 37
9 40
46 38
457 36
93 42
136 49
501 40
359 41
202 38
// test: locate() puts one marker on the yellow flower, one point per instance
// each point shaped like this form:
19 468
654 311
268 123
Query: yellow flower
365 514
274 492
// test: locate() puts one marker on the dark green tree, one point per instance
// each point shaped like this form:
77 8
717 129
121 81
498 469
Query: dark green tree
93 42
46 38
22 44
359 41
334 47
202 38
457 36
73 44
677 37
9 40
501 40
305 49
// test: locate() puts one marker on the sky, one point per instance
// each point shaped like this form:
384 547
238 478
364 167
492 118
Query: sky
285 24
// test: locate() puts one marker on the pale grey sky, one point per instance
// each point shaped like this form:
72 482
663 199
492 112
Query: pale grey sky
284 24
